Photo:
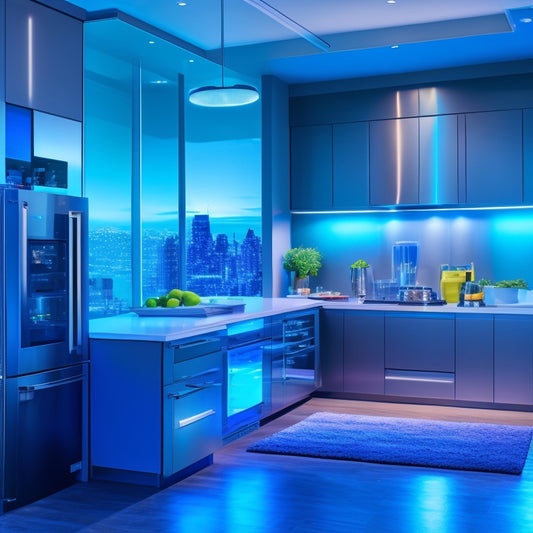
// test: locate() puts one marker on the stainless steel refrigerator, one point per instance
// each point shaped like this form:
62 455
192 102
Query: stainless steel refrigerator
44 346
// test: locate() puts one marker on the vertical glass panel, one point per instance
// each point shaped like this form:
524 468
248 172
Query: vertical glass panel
18 144
108 156
46 317
56 158
160 227
223 184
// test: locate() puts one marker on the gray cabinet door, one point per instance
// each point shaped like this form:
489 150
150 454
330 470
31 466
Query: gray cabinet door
350 165
44 59
438 180
474 367
364 352
331 350
494 158
528 156
311 167
420 343
513 359
394 162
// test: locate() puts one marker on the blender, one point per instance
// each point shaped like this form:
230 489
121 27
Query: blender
405 262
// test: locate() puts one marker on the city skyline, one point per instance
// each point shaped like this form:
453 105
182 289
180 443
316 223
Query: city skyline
218 264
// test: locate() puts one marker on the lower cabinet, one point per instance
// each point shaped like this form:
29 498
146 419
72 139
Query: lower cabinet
474 346
294 359
513 359
364 352
464 357
156 408
332 350
420 355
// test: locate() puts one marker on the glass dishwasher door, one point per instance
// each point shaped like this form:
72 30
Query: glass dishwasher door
245 377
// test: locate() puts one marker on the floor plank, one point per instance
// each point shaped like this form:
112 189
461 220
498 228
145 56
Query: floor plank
248 492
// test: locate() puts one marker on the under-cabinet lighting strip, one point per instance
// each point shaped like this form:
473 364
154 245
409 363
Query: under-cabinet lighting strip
414 210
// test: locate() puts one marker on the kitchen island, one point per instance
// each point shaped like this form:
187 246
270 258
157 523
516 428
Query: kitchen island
167 392
130 326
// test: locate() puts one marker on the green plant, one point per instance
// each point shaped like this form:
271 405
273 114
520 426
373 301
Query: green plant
505 284
303 261
512 284
360 263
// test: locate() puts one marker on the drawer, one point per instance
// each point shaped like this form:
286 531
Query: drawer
198 369
192 423
420 384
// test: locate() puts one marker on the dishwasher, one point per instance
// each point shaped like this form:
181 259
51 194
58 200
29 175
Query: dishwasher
247 376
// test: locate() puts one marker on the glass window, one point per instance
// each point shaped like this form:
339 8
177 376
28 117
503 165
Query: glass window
223 198
108 171
134 83
161 268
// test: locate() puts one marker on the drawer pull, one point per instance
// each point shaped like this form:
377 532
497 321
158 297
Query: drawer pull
195 418
194 388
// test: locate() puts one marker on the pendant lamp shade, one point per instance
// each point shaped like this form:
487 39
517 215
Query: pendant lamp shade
223 96
232 96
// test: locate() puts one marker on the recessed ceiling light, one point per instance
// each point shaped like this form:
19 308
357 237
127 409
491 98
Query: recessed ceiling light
395 46
391 1
191 60
151 42
526 20
181 4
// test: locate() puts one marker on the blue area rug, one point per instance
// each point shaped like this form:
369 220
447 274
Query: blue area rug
405 441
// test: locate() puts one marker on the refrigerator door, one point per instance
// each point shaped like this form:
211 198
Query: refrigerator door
44 429
45 296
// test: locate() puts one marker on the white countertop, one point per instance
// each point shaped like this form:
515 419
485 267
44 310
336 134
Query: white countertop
352 304
130 326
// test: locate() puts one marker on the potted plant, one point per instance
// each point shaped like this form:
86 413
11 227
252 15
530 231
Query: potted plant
302 263
503 292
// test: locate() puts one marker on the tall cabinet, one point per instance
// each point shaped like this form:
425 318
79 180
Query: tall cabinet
44 59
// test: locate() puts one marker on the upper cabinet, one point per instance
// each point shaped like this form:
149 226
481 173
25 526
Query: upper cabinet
413 161
438 161
459 143
494 150
44 59
311 167
528 156
394 161
350 165
329 166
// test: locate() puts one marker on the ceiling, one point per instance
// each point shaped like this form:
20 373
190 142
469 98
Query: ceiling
365 37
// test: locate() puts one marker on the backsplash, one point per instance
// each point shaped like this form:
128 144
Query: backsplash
498 241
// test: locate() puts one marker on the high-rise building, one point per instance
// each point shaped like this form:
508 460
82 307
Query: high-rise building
170 263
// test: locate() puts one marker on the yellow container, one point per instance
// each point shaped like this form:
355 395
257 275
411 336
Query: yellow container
451 279
450 285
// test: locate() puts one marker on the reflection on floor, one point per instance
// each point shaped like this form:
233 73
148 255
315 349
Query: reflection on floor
246 492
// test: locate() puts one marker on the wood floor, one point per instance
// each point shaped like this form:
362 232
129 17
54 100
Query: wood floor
246 492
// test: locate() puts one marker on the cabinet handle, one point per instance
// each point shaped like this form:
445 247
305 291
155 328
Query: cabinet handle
195 418
195 388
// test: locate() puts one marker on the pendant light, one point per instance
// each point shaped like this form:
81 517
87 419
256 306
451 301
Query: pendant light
223 96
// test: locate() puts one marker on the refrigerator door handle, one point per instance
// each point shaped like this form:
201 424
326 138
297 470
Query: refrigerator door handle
75 281
23 260
26 392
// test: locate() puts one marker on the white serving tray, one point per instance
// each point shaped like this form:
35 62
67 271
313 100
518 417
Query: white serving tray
195 310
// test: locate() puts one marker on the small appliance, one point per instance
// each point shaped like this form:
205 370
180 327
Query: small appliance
452 278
